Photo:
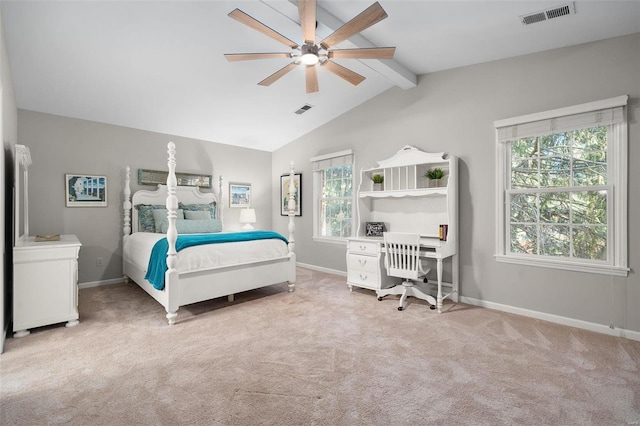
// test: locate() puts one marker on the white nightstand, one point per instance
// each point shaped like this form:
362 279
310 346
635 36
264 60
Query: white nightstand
45 289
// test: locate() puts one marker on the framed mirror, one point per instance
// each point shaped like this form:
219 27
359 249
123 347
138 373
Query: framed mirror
22 163
155 177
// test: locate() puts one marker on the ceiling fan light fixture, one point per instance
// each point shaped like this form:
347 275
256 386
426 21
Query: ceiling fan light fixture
309 54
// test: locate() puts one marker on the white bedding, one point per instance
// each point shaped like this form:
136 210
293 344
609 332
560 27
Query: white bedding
138 246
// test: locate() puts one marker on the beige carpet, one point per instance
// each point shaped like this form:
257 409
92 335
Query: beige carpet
318 356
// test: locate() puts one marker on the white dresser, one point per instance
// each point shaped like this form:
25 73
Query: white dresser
45 289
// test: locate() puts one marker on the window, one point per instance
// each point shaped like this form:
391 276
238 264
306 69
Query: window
333 196
562 188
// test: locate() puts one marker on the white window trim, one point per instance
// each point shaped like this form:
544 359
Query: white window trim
316 202
331 240
618 178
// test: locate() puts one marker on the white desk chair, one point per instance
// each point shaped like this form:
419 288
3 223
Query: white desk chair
402 259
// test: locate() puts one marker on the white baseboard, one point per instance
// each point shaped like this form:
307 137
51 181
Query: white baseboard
101 282
598 328
321 269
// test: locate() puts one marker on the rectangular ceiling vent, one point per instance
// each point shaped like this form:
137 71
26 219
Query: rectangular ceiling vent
556 12
304 109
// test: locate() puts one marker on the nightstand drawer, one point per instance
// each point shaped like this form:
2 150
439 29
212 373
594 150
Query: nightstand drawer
359 262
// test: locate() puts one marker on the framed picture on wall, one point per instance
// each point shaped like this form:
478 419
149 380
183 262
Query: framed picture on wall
284 194
85 190
239 195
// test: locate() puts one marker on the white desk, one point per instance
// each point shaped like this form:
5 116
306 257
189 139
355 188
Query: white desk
365 264
408 202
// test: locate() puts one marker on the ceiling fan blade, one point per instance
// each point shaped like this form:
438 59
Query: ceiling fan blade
365 53
351 76
240 16
278 74
232 57
371 15
312 79
307 10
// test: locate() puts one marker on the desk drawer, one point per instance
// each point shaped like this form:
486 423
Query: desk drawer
363 279
364 247
359 262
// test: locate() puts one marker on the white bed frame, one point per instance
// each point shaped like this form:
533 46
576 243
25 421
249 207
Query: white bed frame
185 288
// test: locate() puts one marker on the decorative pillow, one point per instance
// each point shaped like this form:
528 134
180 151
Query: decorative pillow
160 217
145 216
197 215
195 226
211 208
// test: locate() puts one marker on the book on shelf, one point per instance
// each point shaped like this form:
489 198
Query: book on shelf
444 229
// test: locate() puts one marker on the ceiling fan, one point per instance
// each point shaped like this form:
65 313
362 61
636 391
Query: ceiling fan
311 53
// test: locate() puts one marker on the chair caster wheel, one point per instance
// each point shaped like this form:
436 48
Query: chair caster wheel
425 280
400 308
432 307
379 299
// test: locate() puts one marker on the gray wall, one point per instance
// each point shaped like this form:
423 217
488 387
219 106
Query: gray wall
61 145
9 132
454 111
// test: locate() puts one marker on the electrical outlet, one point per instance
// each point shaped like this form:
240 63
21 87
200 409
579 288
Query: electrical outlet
99 261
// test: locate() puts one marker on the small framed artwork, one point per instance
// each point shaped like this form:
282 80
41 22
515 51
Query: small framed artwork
374 229
284 194
85 190
239 195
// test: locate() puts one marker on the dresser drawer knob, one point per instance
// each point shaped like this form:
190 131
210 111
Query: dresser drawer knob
363 248
363 277
362 262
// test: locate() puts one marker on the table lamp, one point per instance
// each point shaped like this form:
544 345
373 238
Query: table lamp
247 216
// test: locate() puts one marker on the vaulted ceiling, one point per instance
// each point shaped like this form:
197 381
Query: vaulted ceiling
159 65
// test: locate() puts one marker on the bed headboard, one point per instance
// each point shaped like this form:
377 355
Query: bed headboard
185 194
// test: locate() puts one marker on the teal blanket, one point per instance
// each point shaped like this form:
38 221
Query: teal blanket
158 260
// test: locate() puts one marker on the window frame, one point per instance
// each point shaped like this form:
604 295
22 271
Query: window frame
317 194
617 183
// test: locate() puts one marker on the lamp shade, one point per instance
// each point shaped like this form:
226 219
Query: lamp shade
247 216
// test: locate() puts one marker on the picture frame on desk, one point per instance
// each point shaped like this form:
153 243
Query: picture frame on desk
374 229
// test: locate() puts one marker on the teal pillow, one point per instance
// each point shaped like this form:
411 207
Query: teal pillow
197 215
160 217
195 226
146 222
211 208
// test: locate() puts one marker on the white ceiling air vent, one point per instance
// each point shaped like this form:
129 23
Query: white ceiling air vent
304 109
544 15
